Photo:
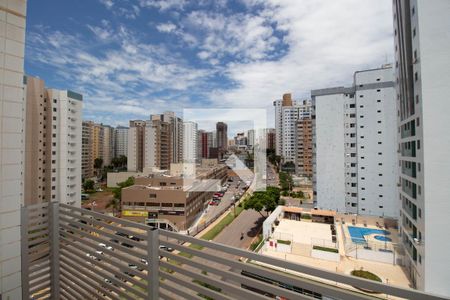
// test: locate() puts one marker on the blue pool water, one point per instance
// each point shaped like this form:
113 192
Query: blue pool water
382 238
358 233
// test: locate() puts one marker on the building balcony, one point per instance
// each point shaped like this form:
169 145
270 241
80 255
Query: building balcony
73 253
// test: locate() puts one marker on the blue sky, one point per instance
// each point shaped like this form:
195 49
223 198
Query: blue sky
132 58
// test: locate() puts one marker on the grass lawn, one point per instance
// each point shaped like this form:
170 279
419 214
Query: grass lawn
213 232
366 275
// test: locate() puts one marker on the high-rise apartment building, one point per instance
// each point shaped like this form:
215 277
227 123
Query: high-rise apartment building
270 138
355 147
190 142
52 144
422 65
94 147
176 127
97 143
240 140
12 36
287 112
120 141
222 138
135 157
64 169
304 152
87 167
37 136
157 144
108 144
251 138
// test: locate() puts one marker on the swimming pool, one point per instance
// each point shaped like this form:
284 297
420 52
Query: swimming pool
357 233
382 238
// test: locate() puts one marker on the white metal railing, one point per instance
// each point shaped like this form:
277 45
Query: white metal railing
73 253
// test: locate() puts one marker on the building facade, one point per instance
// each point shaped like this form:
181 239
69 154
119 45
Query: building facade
304 152
135 157
422 65
108 144
354 146
52 144
157 144
270 138
222 138
87 167
172 198
12 16
64 168
287 112
120 141
190 141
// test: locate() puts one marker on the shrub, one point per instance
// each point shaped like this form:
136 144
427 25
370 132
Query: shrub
305 216
284 242
333 250
366 275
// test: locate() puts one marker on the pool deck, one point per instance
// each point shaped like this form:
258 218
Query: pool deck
303 232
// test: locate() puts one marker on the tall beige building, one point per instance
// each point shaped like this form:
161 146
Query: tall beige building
98 142
135 161
304 153
52 144
12 45
108 144
37 136
157 144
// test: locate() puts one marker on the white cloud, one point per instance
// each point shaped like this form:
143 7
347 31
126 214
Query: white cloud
107 3
166 27
109 80
100 33
243 36
163 4
327 43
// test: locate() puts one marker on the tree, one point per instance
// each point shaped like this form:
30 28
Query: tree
286 181
88 185
98 162
267 200
116 162
123 160
114 203
117 191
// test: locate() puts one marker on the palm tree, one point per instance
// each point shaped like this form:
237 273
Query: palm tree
114 203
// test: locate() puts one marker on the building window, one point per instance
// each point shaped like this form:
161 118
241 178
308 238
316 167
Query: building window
414 32
416 76
378 100
418 122
152 195
420 213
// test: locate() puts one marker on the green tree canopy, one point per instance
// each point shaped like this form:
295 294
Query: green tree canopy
267 200
117 192
286 181
88 185
98 163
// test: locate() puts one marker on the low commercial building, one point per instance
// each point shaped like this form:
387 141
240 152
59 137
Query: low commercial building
173 198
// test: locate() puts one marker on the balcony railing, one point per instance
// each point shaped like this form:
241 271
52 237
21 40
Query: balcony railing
73 253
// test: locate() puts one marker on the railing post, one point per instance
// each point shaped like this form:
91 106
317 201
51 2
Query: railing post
24 252
153 263
54 248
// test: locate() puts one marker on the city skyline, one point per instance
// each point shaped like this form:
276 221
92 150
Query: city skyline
137 58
